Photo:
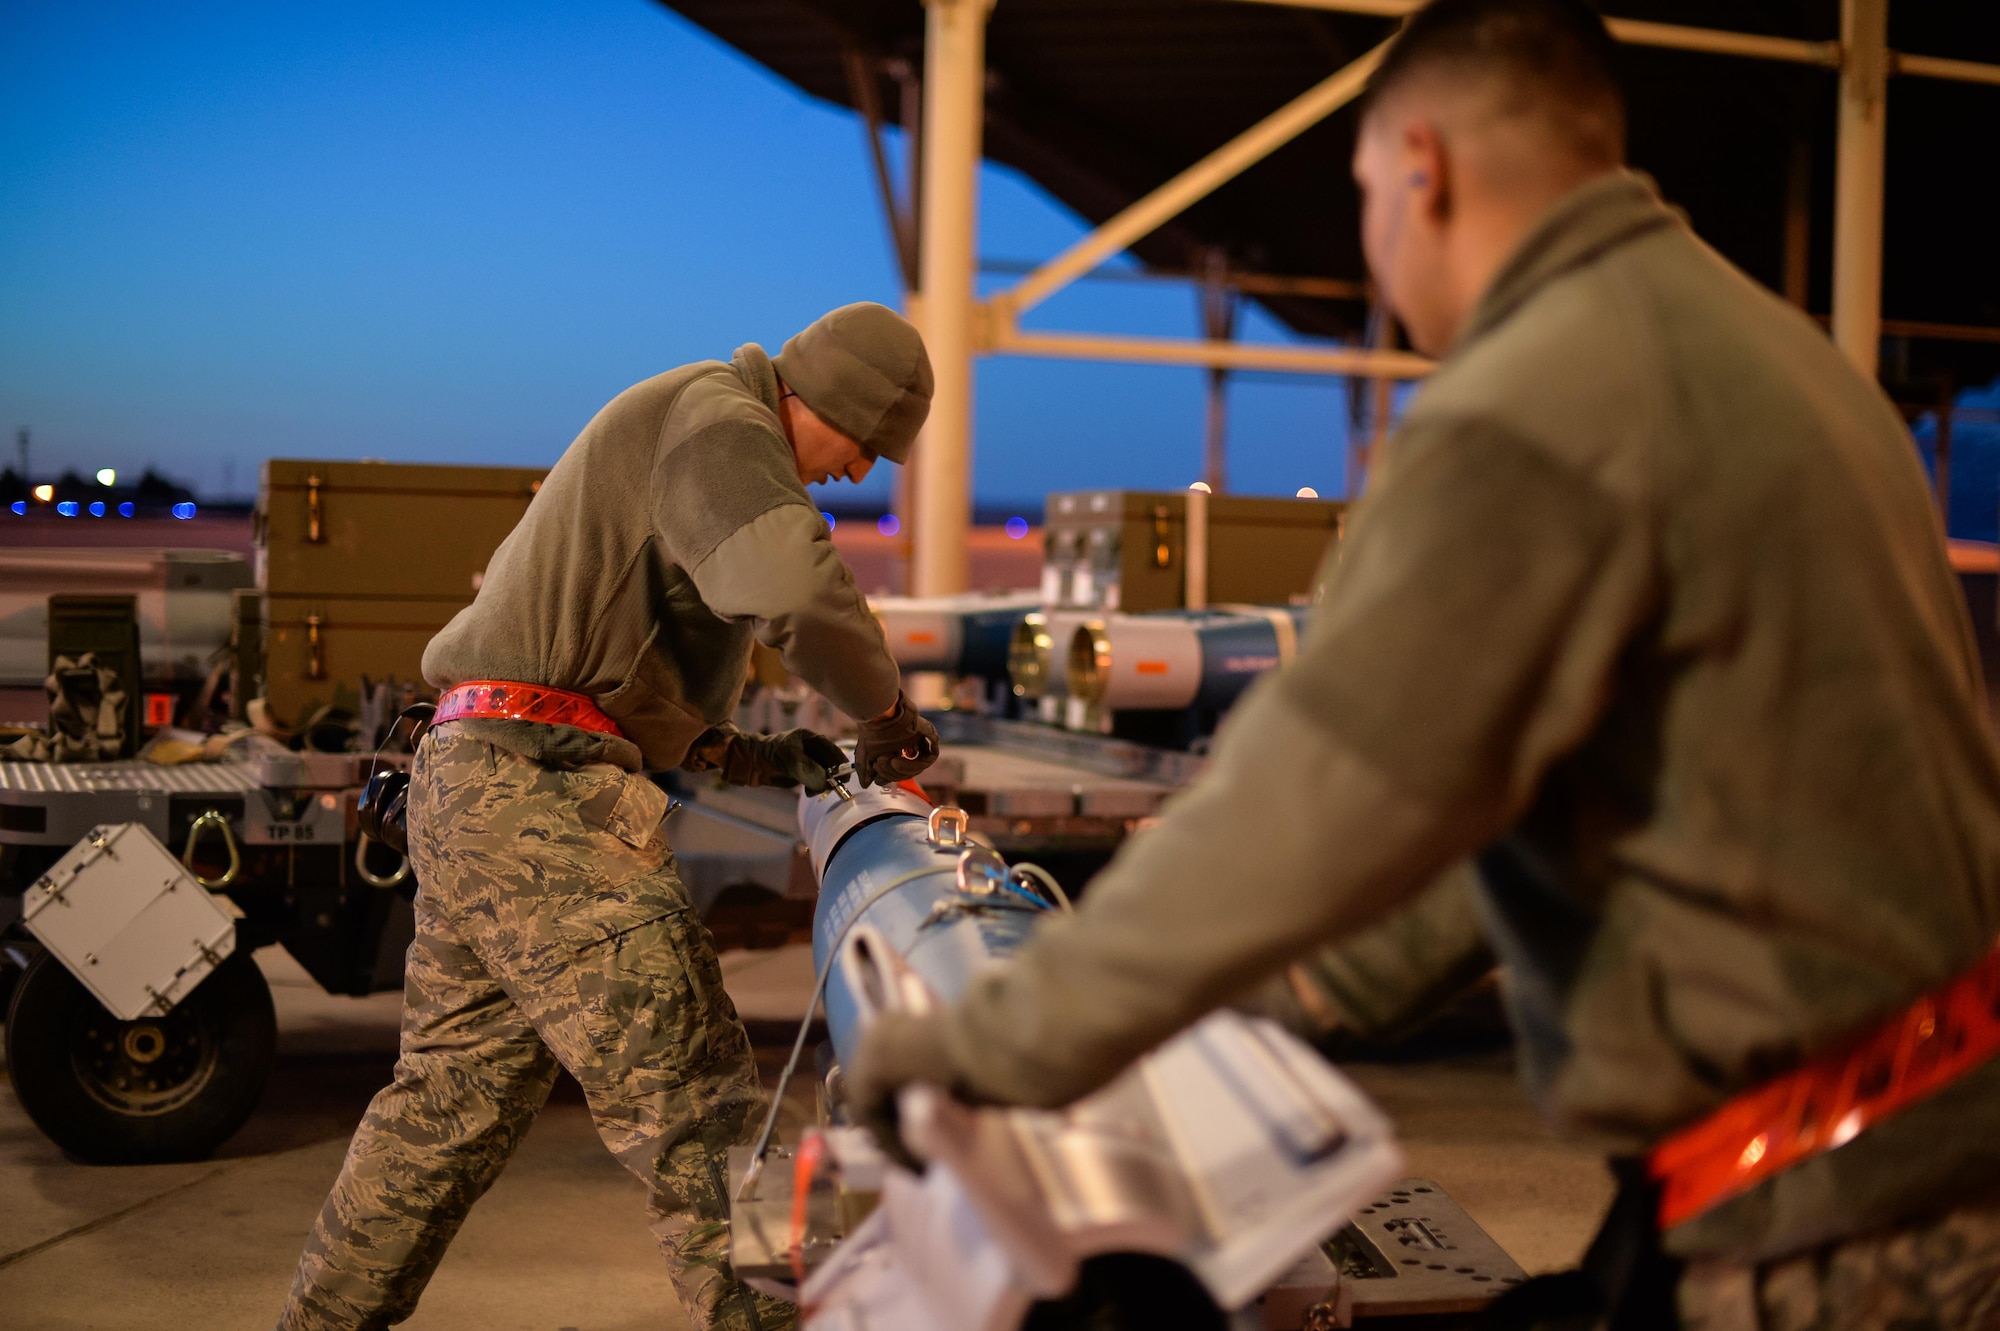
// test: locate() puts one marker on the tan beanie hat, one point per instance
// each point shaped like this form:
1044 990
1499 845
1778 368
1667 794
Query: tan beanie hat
864 371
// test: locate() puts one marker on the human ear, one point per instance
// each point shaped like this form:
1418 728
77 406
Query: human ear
1427 171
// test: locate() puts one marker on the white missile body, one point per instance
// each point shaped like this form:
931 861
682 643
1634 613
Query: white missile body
959 635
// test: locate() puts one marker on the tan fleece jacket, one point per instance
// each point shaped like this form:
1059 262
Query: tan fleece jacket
672 531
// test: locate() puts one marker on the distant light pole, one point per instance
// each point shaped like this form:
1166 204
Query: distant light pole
21 442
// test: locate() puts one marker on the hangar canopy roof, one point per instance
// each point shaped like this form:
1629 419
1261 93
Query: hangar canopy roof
1099 101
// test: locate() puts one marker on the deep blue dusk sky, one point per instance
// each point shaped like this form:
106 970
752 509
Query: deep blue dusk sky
450 231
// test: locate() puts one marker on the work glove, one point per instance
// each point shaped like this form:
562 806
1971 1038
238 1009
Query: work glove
896 1050
895 747
795 758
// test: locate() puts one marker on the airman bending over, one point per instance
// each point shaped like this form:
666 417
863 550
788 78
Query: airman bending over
611 637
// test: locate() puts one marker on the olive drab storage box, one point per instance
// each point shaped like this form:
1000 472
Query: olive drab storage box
106 627
1126 550
361 563
122 914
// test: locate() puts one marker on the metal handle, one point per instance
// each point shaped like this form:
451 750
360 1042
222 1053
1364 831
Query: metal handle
212 818
315 524
981 872
368 876
315 659
944 818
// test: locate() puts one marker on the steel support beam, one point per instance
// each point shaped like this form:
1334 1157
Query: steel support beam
1858 182
1937 67
954 109
1302 359
861 87
1195 183
1219 305
1716 41
1636 32
1250 284
1719 41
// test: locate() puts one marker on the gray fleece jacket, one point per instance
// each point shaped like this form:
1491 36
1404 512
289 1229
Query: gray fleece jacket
672 531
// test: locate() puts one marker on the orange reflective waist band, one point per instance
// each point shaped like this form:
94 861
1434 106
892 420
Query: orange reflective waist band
503 700
1826 1103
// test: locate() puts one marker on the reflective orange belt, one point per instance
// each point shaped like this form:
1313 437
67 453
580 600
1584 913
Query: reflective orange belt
1918 1052
503 700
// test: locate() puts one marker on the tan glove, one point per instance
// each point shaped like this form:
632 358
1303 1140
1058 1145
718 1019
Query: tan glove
895 747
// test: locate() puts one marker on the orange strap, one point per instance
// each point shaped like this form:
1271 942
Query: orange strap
804 1167
503 700
1785 1122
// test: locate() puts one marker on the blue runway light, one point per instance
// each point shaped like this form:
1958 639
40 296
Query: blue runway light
125 509
67 508
20 506
888 525
97 508
183 510
829 520
1017 528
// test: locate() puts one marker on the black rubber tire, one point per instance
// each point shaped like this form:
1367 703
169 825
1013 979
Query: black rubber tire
140 1092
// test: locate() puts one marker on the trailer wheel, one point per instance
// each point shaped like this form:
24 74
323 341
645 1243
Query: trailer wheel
140 1092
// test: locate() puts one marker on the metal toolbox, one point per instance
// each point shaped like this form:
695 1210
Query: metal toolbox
384 530
317 648
129 921
1127 549
361 563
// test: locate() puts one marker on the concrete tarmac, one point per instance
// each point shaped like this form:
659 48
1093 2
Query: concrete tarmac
560 1243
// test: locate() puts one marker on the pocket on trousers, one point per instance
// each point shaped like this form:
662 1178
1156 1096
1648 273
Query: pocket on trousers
648 990
627 805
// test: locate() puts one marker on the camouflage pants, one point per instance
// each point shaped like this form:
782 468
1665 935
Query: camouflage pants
551 928
1939 1275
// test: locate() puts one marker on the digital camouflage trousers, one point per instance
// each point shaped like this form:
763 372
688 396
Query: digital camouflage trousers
1935 1275
552 929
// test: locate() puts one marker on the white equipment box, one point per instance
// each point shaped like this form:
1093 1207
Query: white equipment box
129 921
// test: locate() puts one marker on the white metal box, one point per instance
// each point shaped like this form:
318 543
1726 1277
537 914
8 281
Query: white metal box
129 921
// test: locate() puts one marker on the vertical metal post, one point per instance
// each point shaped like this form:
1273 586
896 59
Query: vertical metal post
1947 399
910 115
1798 226
1858 181
1218 324
1380 398
1194 548
862 87
1215 431
954 106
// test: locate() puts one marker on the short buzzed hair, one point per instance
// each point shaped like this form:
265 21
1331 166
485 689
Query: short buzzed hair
1548 56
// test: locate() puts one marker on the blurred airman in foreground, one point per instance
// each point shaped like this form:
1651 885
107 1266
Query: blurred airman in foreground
1646 617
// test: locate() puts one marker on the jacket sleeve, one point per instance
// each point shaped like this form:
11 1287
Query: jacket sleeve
1466 642
780 569
1390 978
